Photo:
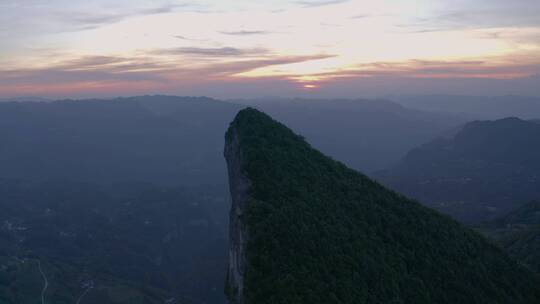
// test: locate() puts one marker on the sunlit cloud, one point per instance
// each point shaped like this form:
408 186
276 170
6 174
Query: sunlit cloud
61 46
100 72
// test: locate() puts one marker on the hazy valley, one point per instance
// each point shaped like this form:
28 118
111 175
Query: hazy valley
127 200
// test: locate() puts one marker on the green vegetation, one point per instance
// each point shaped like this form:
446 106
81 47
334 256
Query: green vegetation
323 233
519 234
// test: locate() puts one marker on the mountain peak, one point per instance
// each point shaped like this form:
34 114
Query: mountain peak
306 229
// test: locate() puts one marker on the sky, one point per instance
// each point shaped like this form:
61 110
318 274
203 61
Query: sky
246 48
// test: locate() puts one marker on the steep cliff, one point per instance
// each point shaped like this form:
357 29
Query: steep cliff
238 232
306 229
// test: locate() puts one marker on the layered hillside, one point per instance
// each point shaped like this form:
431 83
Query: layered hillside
479 173
519 233
159 139
306 229
171 140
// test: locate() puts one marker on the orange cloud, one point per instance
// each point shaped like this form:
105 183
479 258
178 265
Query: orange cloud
113 74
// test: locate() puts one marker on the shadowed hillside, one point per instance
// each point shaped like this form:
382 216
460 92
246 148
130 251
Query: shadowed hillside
478 173
519 233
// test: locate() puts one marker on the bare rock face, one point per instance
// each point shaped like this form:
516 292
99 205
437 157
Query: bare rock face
239 186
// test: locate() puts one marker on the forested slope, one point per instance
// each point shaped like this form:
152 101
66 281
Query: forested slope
306 229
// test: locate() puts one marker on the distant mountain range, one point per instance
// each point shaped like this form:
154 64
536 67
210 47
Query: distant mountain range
476 107
25 99
480 172
177 140
164 140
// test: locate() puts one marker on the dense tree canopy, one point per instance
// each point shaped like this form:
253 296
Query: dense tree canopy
323 233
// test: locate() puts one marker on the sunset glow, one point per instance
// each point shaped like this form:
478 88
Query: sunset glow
62 48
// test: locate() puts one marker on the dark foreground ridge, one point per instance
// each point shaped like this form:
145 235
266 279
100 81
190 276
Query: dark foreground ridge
306 229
